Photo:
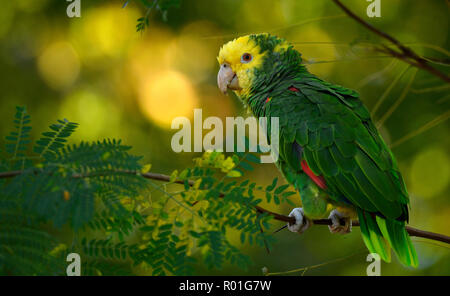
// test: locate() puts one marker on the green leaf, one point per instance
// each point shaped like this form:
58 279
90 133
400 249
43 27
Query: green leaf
146 168
246 166
272 186
268 196
166 4
281 188
234 174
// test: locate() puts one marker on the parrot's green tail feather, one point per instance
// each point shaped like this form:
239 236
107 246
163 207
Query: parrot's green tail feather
397 236
379 234
372 236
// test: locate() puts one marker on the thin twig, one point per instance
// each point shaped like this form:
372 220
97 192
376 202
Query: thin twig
304 269
403 52
397 103
388 90
161 177
432 123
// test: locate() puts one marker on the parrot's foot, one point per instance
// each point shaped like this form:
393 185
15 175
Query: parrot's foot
301 222
336 227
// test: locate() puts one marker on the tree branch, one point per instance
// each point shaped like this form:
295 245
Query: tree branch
165 178
403 52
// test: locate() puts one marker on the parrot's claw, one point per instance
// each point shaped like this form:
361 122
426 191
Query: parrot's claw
301 222
336 227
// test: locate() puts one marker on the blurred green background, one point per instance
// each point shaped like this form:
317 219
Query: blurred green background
98 71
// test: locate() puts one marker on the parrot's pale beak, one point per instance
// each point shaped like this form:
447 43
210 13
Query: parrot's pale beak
227 79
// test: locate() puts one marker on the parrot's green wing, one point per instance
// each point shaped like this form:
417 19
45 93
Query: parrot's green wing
347 150
341 144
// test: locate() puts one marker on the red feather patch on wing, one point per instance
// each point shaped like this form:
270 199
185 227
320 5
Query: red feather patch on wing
319 180
294 89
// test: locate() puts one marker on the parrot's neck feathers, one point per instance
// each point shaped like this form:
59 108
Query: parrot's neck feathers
267 86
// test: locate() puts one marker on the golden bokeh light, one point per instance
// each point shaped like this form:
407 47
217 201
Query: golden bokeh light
149 56
429 173
59 65
167 95
99 117
191 53
104 31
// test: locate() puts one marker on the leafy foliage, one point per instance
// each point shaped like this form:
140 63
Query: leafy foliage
25 250
17 140
53 140
121 219
161 6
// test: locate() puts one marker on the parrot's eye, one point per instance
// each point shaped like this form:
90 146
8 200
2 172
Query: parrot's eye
246 58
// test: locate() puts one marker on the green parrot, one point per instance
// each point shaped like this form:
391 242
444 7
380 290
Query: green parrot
329 148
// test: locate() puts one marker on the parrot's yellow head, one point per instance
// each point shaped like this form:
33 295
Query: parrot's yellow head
243 59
